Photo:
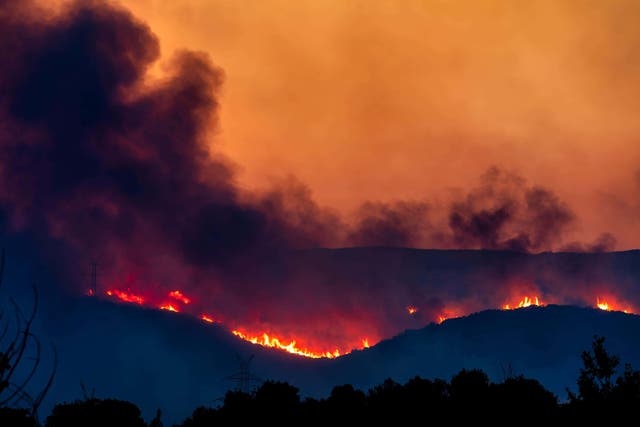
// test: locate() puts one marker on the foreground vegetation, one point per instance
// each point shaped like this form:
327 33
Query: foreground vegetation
605 393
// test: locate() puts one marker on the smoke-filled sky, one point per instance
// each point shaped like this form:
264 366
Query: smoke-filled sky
414 100
194 145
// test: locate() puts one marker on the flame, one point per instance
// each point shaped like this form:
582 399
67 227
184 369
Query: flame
177 295
291 345
126 296
169 307
610 306
602 305
525 302
268 341
207 318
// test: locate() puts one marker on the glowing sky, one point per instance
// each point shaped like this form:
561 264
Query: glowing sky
387 100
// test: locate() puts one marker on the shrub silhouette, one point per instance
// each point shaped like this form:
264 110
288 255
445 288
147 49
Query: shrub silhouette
96 413
16 418
520 396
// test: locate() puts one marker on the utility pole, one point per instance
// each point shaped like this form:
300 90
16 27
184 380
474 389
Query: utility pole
94 279
244 377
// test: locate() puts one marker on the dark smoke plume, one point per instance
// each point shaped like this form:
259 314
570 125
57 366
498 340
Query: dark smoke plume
401 224
98 155
115 165
503 213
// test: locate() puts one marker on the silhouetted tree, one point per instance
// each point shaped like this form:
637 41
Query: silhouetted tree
16 417
281 397
347 403
469 391
20 348
595 382
203 417
518 396
600 398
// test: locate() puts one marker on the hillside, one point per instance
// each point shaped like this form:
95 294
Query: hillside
159 359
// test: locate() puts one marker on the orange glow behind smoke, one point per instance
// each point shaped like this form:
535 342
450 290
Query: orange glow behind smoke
411 309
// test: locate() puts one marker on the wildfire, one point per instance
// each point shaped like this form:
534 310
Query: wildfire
525 302
177 295
176 301
609 306
267 341
126 296
207 318
169 307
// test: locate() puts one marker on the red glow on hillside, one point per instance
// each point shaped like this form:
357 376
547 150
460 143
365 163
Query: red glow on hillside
177 295
305 345
610 304
126 296
207 318
523 303
169 307
292 347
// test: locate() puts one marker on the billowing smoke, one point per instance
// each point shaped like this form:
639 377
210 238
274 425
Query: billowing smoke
117 165
505 214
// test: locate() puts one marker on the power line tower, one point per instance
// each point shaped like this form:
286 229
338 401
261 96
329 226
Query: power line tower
92 278
244 378
93 290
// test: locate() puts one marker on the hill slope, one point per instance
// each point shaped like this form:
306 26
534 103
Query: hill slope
159 359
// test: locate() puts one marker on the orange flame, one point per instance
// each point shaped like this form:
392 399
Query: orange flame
267 341
207 318
291 346
610 306
602 305
525 302
169 307
177 295
126 296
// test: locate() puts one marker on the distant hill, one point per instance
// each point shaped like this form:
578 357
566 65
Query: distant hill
165 360
160 359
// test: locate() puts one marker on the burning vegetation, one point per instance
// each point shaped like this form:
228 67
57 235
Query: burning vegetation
297 346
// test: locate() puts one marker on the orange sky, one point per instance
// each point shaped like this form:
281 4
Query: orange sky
386 100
